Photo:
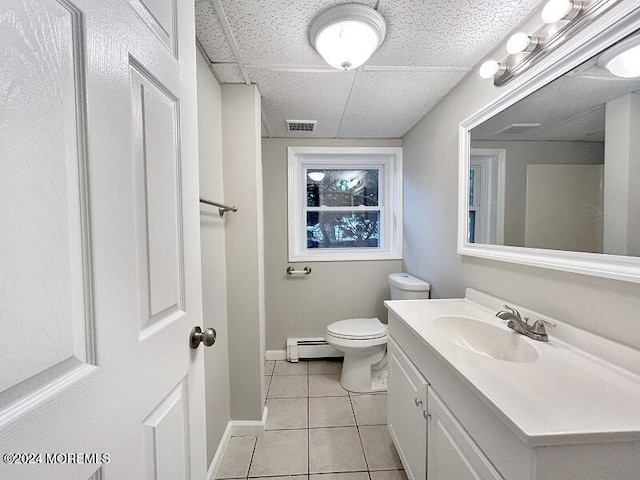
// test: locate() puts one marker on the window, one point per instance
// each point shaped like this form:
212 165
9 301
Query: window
345 203
475 194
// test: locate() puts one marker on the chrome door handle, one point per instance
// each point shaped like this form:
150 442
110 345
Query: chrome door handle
208 337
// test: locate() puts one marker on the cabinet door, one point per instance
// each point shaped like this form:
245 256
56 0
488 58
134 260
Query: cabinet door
452 454
406 412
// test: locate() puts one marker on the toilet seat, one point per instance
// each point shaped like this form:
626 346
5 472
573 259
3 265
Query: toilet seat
358 329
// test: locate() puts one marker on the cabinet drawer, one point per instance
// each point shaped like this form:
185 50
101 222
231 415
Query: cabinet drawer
406 412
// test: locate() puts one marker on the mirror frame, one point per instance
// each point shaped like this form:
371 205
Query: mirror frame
605 32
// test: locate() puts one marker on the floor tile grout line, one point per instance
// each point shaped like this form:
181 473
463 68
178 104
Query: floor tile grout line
366 462
326 473
308 426
253 452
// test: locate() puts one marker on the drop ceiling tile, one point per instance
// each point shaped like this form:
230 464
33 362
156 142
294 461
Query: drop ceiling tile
445 33
276 32
210 34
587 127
385 104
302 95
228 73
565 100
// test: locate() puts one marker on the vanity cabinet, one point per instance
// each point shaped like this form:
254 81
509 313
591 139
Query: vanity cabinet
430 441
407 412
489 419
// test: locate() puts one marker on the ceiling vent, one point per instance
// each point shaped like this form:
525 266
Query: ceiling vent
301 125
518 128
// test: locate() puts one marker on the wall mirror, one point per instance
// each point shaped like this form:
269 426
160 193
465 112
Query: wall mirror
550 172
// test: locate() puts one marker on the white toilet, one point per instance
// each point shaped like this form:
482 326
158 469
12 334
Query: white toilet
364 340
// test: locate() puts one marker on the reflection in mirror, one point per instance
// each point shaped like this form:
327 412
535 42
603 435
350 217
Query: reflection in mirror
560 169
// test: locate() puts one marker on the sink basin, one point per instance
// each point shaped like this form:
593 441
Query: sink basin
485 339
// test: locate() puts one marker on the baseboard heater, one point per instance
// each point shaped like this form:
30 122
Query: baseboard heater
298 348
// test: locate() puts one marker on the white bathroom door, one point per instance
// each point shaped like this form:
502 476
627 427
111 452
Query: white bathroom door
99 242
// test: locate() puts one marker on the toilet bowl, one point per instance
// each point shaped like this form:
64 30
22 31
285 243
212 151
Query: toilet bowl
364 340
364 343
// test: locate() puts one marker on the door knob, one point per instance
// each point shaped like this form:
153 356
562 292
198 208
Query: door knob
208 337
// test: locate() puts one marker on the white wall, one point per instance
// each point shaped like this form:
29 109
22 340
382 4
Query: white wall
622 176
212 241
304 306
519 155
242 170
607 307
431 201
564 207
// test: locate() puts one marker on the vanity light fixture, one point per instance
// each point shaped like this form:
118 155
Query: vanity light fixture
560 20
623 59
521 42
347 35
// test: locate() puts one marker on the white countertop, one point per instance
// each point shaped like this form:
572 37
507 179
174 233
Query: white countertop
565 396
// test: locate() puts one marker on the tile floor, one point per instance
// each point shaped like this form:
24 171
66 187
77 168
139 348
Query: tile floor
316 430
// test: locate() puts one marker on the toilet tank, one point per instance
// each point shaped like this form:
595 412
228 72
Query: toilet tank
407 287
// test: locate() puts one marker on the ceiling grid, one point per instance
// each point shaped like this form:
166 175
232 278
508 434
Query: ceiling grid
430 46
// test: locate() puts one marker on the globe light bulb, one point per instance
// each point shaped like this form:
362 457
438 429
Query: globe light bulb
489 68
519 42
556 10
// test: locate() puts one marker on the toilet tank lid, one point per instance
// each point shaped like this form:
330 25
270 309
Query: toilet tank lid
358 328
404 281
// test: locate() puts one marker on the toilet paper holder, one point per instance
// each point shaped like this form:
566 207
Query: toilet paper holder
293 271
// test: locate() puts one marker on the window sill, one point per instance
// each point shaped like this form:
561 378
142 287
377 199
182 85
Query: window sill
339 256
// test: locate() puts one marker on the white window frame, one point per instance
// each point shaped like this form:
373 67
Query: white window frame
387 159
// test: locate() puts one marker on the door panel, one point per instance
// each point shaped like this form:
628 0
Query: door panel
99 243
160 16
45 277
159 221
98 475
165 437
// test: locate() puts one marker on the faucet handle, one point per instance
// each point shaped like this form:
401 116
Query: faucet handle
512 310
538 326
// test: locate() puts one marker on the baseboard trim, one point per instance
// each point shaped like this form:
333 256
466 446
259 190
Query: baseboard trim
220 451
236 428
249 428
275 355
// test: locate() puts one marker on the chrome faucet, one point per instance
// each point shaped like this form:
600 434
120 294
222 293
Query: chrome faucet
515 322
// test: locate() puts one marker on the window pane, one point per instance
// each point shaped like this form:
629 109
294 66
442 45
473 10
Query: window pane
343 229
471 227
342 188
472 174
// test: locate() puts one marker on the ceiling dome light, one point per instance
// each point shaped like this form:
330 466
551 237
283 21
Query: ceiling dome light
347 35
489 69
623 59
556 10
521 42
